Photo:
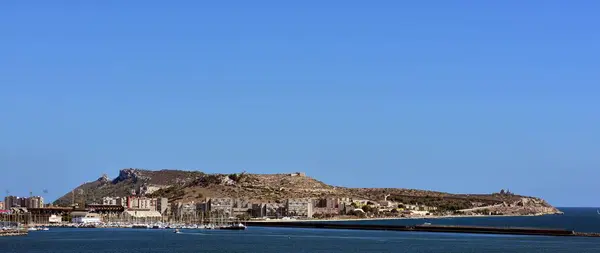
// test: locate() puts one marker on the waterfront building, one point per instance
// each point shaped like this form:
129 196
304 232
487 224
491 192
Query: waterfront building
11 201
142 214
114 201
241 207
258 210
136 202
1 205
53 219
82 217
30 202
181 210
162 206
105 209
299 208
221 205
327 206
34 202
267 210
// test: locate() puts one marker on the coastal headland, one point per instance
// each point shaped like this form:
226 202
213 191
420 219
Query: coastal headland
138 196
291 195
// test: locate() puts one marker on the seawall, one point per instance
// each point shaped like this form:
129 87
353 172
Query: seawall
426 228
13 232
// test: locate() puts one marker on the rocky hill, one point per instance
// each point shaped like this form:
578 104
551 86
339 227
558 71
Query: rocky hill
194 185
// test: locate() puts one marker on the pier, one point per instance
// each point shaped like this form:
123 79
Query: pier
13 232
427 228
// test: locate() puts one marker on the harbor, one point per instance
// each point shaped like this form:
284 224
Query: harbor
232 225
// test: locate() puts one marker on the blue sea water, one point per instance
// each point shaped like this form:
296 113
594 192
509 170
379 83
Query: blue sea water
578 219
269 240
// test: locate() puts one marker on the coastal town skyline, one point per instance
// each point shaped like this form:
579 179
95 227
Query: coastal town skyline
180 196
45 194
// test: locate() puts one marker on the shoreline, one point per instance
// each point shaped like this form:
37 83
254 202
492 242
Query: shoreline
398 218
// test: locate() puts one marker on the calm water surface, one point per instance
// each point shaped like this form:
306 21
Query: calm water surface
578 219
269 240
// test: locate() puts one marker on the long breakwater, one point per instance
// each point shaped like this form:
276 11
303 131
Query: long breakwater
426 228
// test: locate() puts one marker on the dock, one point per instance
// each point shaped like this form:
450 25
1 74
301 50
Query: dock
13 232
426 228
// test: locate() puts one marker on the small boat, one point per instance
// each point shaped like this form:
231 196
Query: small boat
177 231
598 211
238 226
32 229
44 229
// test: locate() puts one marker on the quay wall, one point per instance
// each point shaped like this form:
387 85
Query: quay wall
423 228
13 232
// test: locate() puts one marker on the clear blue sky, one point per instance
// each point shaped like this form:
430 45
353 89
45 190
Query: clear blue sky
457 96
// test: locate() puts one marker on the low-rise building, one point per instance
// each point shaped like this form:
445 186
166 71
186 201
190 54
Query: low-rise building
387 204
81 217
241 207
258 210
180 209
268 210
276 210
416 212
329 206
114 201
136 202
162 206
299 208
221 205
105 209
142 214
53 219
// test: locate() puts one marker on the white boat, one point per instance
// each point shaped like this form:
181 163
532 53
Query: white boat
32 229
45 229
140 226
177 231
238 226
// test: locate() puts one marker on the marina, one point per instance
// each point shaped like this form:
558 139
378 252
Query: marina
210 226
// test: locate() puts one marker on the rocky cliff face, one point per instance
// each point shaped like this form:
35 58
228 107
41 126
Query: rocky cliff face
194 185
